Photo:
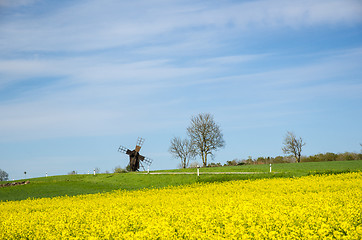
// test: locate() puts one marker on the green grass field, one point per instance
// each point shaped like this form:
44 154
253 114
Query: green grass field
295 168
86 184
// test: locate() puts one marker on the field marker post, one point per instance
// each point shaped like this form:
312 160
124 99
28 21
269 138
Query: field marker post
198 170
270 168
94 172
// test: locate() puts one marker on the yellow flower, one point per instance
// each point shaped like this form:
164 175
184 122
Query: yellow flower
313 207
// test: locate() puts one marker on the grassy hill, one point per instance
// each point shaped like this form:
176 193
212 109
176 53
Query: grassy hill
86 184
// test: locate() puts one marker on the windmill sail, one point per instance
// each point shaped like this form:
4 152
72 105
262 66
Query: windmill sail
139 144
123 149
148 161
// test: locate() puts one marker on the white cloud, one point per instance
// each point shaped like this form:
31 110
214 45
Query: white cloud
97 69
148 93
235 59
294 14
94 71
16 3
100 78
94 25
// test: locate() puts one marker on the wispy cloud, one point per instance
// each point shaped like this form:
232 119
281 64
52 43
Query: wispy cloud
90 68
93 25
106 95
10 3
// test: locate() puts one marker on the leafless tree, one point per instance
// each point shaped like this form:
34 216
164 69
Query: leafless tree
205 135
293 145
4 176
183 150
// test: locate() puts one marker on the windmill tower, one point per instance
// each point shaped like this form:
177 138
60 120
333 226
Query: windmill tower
135 158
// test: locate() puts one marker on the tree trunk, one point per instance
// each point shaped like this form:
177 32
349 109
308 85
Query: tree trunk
296 158
204 159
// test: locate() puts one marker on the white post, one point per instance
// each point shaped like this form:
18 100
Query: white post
270 168
94 172
198 172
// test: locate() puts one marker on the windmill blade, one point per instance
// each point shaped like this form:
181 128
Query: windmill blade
123 149
139 143
147 161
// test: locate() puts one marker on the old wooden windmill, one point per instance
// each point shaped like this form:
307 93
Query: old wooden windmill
135 158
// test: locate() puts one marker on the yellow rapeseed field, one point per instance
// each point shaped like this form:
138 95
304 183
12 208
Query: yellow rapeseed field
313 207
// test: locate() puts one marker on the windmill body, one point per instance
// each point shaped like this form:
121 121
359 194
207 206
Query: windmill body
135 158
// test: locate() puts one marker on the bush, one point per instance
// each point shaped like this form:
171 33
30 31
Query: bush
280 159
235 162
128 168
214 165
118 169
321 157
347 156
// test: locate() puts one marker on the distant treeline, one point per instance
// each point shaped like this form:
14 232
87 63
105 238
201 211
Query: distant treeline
321 157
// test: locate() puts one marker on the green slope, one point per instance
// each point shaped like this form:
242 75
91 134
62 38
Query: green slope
86 184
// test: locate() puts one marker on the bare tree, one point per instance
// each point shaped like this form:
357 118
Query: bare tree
182 149
4 176
292 145
205 135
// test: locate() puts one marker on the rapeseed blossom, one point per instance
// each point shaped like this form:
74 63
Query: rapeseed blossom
313 207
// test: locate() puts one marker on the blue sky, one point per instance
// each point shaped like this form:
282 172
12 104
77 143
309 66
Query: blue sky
79 78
